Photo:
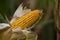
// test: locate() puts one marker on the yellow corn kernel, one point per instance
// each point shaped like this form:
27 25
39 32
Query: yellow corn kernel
26 20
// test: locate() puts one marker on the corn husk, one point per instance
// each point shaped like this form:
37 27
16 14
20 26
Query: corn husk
19 12
17 35
5 31
23 35
30 35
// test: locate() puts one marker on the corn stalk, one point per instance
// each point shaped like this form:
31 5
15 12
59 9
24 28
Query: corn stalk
57 15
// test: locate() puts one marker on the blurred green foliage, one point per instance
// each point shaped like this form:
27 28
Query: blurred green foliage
49 32
8 7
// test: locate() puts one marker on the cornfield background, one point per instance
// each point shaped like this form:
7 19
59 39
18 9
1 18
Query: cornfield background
45 28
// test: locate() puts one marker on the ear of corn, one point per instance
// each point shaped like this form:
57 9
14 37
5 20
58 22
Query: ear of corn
26 20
